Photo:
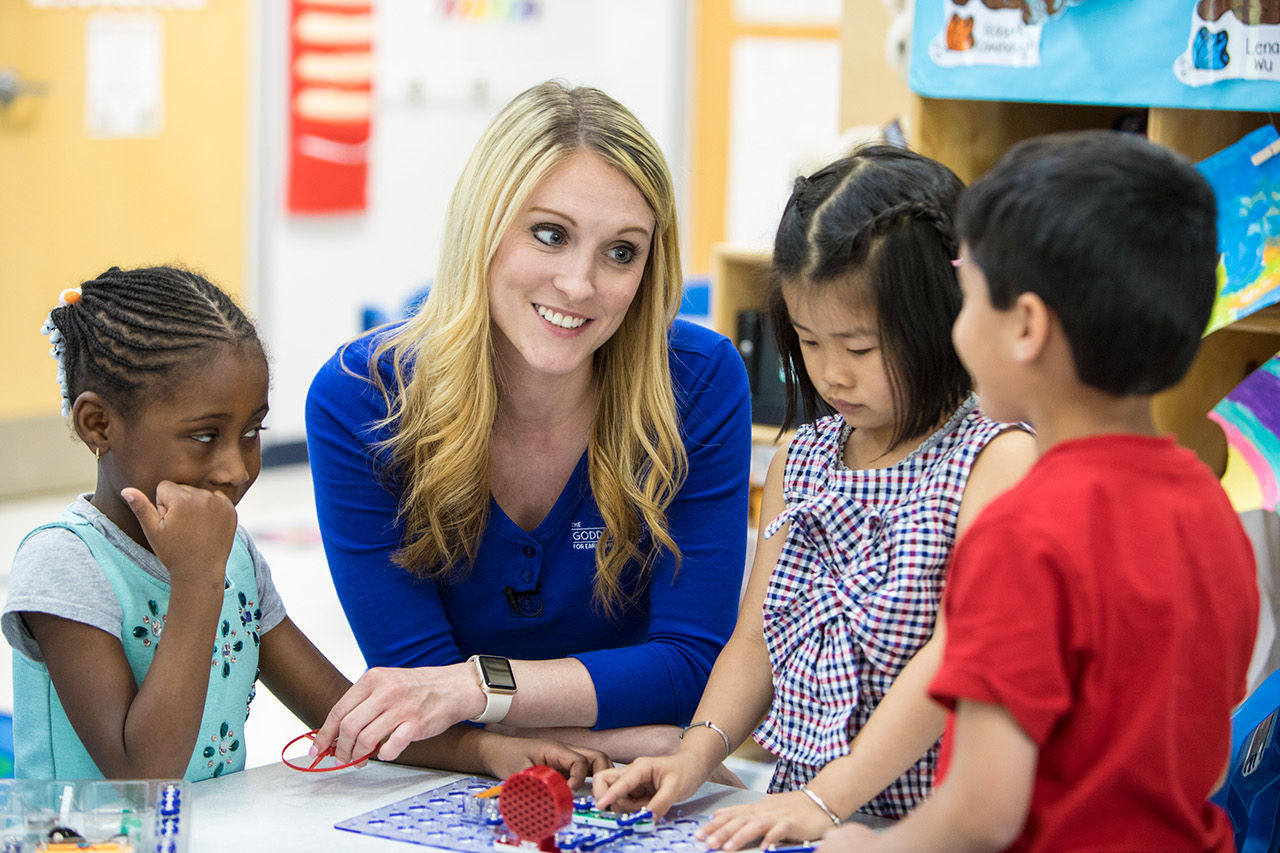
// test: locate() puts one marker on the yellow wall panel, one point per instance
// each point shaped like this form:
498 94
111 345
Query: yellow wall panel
71 206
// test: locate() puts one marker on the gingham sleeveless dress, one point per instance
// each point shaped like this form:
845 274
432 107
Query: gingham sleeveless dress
856 590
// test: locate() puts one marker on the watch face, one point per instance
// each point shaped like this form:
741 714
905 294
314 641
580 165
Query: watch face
497 672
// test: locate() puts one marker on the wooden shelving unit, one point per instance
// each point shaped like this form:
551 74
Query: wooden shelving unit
969 136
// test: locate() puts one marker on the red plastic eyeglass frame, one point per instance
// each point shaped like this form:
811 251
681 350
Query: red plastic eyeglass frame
328 753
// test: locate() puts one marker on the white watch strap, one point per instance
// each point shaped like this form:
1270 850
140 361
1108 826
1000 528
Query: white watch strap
496 706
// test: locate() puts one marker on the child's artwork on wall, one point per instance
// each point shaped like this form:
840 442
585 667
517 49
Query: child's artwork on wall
993 32
1231 40
1130 53
1246 181
1250 416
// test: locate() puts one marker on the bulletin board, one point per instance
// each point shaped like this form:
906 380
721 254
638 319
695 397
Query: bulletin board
1194 54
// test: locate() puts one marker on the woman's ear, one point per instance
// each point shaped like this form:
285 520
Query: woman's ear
1033 324
91 419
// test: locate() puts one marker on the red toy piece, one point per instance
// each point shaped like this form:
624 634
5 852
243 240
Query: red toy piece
535 803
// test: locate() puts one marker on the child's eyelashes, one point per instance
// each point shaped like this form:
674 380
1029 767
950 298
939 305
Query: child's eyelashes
210 437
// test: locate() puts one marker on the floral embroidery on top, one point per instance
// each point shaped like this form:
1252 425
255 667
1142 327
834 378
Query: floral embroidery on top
220 751
152 626
227 646
250 614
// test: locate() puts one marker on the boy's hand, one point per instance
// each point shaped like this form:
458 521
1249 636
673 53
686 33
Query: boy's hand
190 530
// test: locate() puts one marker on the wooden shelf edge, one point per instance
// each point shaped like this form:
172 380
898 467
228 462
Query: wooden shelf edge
1263 321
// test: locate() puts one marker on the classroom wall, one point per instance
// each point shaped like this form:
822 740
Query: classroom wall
209 188
438 82
71 205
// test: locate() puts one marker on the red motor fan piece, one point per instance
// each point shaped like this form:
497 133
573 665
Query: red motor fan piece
535 803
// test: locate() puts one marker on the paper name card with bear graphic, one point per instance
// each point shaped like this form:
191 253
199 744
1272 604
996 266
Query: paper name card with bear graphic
1231 40
1181 54
993 32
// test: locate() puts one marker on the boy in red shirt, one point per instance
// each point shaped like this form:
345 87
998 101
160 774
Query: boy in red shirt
1099 615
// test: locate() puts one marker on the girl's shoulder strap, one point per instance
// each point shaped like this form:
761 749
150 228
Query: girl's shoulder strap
71 522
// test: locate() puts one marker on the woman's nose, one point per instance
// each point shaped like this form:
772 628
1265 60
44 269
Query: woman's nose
576 278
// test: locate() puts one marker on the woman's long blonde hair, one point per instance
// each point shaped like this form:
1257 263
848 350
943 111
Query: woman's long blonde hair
442 406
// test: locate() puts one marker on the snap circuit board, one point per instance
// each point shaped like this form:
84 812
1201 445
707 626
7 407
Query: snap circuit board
453 817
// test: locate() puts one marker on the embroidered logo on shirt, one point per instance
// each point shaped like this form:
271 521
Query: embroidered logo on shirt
585 538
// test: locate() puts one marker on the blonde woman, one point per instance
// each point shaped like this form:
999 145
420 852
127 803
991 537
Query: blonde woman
533 493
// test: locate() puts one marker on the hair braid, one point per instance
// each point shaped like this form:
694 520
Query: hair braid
130 329
924 212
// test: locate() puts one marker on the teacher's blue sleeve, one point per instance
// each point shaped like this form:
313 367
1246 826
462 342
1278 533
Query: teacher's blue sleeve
358 524
693 606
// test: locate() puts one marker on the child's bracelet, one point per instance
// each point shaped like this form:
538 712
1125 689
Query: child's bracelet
727 748
817 801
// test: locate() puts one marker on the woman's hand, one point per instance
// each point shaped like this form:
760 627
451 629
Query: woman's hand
653 783
778 817
394 707
503 756
190 530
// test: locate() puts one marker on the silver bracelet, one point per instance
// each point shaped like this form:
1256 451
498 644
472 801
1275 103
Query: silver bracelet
727 748
817 801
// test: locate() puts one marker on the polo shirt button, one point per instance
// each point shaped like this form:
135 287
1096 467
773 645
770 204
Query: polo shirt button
527 575
526 604
531 552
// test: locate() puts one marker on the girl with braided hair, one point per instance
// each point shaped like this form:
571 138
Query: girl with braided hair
113 609
866 502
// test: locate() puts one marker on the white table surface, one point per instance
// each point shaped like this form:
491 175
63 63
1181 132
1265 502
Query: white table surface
277 809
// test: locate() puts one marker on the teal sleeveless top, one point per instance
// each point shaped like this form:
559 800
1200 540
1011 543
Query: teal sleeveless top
45 744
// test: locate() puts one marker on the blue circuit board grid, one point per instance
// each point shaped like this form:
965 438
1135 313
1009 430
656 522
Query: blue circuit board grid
438 818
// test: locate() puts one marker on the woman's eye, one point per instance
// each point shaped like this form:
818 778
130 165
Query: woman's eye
623 254
204 437
861 351
253 432
548 235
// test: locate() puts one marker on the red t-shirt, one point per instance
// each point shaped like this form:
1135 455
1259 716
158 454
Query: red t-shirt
1109 603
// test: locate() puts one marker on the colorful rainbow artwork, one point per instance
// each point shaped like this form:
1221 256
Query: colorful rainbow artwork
1250 416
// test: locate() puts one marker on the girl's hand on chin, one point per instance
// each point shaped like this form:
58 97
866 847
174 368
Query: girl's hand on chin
190 530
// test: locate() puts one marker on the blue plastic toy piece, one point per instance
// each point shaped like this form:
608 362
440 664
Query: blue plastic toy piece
1251 794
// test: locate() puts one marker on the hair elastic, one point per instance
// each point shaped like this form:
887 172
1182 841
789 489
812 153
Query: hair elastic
56 349
315 767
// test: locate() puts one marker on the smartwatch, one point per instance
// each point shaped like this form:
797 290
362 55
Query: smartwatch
498 685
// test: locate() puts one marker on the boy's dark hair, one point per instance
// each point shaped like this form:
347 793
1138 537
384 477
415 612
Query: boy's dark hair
132 329
878 223
1117 235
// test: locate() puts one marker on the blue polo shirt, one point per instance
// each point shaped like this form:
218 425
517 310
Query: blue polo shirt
529 594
